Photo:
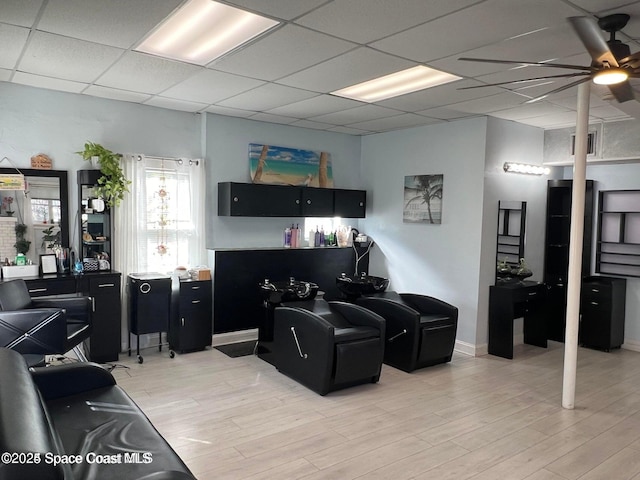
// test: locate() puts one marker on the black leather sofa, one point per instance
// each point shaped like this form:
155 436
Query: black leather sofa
76 414
328 346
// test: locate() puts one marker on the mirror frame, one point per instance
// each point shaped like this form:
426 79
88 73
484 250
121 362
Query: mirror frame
64 194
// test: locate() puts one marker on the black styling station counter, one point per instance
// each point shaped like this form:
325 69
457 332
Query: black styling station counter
238 273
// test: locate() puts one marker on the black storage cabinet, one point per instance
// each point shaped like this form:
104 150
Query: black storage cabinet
602 309
149 305
190 327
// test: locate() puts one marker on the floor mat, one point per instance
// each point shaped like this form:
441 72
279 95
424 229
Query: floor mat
239 349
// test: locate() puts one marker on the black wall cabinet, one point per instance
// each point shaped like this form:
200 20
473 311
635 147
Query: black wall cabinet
259 200
602 308
190 326
556 256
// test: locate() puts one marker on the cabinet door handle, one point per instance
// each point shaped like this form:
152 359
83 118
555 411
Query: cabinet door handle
308 202
595 290
195 301
93 304
235 199
594 303
37 290
362 204
532 294
105 285
195 288
297 202
182 321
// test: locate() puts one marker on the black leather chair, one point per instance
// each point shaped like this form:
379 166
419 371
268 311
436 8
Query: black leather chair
328 346
421 330
15 300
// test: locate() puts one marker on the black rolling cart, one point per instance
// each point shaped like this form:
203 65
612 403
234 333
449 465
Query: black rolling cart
149 307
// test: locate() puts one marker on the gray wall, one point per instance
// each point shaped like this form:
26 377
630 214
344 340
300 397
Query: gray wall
438 260
227 145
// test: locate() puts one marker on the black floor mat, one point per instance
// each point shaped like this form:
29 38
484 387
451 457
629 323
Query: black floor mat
239 349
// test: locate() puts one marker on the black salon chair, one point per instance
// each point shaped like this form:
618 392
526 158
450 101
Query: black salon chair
328 346
15 299
421 330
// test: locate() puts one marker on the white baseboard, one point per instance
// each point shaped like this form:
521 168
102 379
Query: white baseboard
235 337
633 345
470 349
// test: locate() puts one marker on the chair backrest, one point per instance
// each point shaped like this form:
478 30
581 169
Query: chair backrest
14 295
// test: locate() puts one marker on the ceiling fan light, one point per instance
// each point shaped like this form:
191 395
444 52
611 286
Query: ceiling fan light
610 76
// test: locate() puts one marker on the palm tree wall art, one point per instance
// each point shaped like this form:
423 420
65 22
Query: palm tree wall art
423 199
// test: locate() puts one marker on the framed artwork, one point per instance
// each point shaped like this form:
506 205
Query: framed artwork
423 199
289 166
48 263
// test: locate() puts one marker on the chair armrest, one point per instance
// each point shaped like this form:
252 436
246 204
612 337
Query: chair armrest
76 307
426 305
398 315
64 380
357 315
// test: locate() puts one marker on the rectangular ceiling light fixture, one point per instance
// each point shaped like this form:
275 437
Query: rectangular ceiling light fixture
203 30
396 84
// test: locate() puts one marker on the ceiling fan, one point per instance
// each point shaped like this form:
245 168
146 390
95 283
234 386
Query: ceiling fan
612 63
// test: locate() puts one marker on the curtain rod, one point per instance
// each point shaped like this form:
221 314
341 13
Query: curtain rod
179 161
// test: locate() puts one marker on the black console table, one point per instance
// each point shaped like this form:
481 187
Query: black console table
508 302
104 287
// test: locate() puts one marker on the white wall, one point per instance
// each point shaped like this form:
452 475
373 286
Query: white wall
227 145
443 260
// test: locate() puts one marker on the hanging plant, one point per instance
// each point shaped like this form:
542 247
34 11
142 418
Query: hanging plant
112 185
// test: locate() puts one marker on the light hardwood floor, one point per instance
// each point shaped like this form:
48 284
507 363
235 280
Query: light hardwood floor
482 418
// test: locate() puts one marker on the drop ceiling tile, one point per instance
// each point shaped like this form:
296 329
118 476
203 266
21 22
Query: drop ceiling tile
599 5
13 40
266 97
405 120
363 21
312 107
537 109
492 21
607 112
349 130
310 124
440 95
115 94
285 9
5 75
267 117
559 120
20 12
443 113
570 101
358 114
229 112
143 73
281 53
348 69
119 23
173 104
48 82
210 86
490 104
67 58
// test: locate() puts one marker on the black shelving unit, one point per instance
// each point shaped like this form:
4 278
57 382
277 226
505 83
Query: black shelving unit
618 248
95 222
510 239
556 258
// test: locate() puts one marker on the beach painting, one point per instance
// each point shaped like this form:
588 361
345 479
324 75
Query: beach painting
423 199
289 166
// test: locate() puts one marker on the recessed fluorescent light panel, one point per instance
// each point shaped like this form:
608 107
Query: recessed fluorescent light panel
203 30
396 84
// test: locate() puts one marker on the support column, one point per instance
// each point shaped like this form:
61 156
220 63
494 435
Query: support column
575 248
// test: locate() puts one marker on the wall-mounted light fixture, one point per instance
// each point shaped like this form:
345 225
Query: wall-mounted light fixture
527 169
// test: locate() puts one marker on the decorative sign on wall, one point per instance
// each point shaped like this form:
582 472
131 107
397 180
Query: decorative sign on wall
41 162
289 166
12 182
423 199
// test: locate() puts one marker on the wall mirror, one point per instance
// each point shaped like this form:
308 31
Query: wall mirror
43 208
512 217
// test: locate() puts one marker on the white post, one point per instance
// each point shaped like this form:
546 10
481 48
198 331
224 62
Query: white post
575 249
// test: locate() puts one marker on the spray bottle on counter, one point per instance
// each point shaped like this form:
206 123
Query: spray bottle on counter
287 237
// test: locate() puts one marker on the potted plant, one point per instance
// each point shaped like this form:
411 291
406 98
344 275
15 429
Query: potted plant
22 245
112 185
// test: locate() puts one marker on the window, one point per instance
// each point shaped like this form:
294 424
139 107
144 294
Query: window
45 210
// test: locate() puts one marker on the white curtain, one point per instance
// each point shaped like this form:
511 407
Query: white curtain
142 241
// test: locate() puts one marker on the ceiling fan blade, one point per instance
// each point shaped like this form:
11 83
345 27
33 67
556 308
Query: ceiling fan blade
560 89
632 61
525 80
591 36
622 91
528 64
